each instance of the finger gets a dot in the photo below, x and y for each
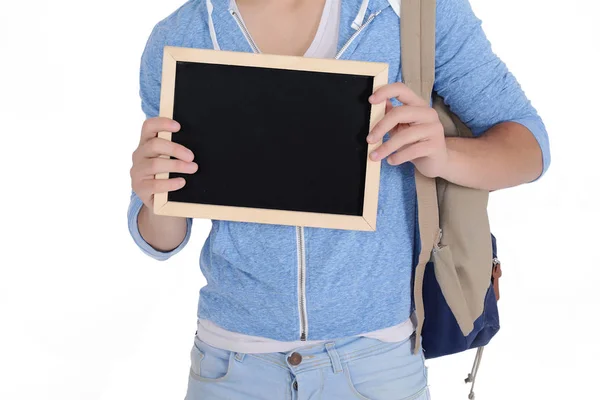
(400, 91)
(153, 186)
(160, 165)
(152, 126)
(406, 137)
(411, 153)
(388, 106)
(161, 147)
(400, 115)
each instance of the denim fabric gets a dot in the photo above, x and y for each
(353, 368)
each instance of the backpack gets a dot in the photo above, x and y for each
(455, 281)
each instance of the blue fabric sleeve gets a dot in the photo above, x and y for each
(474, 82)
(150, 78)
(151, 70)
(135, 205)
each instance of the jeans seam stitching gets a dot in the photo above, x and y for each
(268, 360)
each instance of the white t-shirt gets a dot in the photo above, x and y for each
(324, 45)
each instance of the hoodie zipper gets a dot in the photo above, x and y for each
(302, 282)
(355, 34)
(300, 242)
(245, 31)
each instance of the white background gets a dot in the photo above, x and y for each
(85, 315)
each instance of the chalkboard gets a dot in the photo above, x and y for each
(277, 139)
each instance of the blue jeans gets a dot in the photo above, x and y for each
(351, 368)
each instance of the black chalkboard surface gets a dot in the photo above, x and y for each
(277, 139)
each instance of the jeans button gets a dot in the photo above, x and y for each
(295, 359)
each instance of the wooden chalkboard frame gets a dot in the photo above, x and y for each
(366, 222)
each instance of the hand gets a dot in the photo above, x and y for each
(147, 161)
(416, 133)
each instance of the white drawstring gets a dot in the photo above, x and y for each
(360, 17)
(211, 26)
(395, 6)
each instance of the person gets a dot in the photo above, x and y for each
(307, 313)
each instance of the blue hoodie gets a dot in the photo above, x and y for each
(292, 283)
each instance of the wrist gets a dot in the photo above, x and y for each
(455, 161)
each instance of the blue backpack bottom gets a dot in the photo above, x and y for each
(441, 334)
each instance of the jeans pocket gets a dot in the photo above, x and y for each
(208, 363)
(396, 374)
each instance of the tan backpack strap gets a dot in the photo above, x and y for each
(417, 32)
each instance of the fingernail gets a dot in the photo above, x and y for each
(374, 156)
(191, 154)
(193, 167)
(175, 126)
(370, 138)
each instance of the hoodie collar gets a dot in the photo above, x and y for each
(227, 35)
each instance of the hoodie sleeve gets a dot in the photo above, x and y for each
(474, 82)
(150, 78)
